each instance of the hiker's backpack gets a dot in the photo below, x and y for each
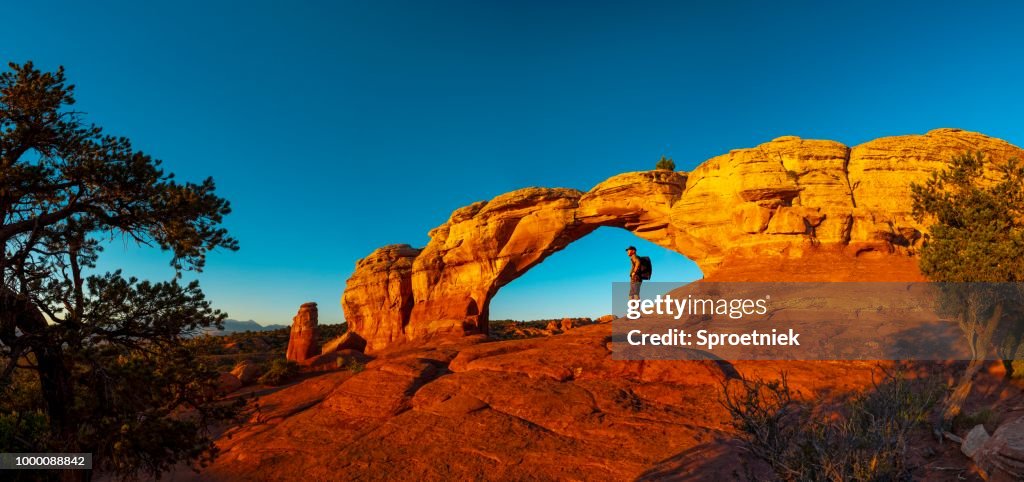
(645, 268)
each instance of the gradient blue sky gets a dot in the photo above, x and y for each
(337, 128)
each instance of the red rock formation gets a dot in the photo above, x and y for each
(746, 215)
(548, 408)
(246, 372)
(302, 342)
(227, 383)
(347, 341)
(378, 297)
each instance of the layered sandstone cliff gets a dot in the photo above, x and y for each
(790, 209)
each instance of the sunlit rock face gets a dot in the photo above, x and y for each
(790, 209)
(302, 342)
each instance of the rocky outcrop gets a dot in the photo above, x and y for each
(403, 293)
(246, 372)
(347, 341)
(844, 213)
(227, 383)
(378, 297)
(547, 408)
(1001, 456)
(302, 342)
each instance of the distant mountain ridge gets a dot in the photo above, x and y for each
(237, 326)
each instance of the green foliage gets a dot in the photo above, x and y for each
(665, 164)
(23, 431)
(23, 425)
(976, 236)
(132, 401)
(864, 439)
(351, 364)
(978, 230)
(103, 357)
(964, 422)
(281, 371)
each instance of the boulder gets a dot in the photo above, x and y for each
(1001, 456)
(227, 383)
(347, 341)
(302, 342)
(246, 372)
(974, 440)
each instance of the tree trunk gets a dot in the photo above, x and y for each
(980, 346)
(55, 380)
(955, 402)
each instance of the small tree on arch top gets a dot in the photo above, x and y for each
(665, 164)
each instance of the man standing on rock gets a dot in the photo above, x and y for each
(634, 274)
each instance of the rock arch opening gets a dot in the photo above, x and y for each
(400, 293)
(576, 281)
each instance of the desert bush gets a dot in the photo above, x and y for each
(24, 426)
(966, 421)
(351, 364)
(281, 371)
(665, 164)
(863, 439)
(23, 431)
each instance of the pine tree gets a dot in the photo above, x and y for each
(975, 249)
(112, 372)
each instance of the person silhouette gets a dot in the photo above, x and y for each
(634, 273)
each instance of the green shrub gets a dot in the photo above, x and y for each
(665, 164)
(351, 364)
(966, 421)
(281, 371)
(23, 431)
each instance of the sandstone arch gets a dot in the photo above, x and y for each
(788, 209)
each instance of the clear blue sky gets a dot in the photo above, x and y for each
(337, 128)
